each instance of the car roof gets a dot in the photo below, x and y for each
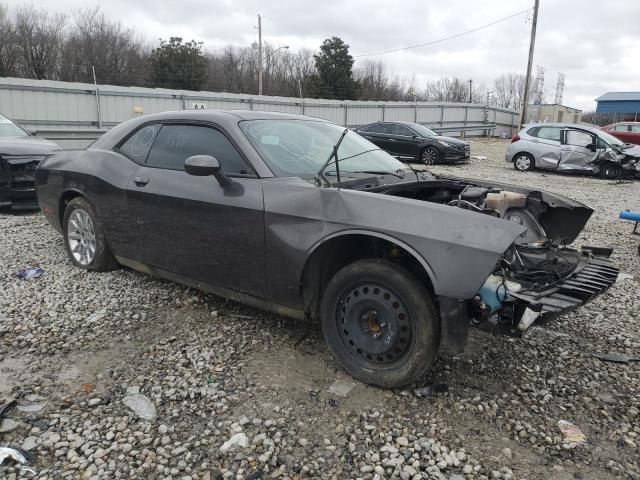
(576, 126)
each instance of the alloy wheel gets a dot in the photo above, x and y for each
(522, 163)
(429, 156)
(81, 236)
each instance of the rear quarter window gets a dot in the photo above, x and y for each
(137, 146)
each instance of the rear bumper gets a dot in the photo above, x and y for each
(17, 182)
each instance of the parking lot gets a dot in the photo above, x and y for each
(74, 344)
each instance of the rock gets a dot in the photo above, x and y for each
(141, 406)
(7, 425)
(341, 388)
(507, 453)
(163, 429)
(29, 443)
(238, 441)
(402, 442)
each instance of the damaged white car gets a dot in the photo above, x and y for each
(573, 148)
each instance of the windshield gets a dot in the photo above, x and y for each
(423, 131)
(10, 129)
(610, 139)
(301, 147)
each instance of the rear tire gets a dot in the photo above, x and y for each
(610, 171)
(380, 323)
(524, 162)
(84, 237)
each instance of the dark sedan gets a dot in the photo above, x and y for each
(307, 219)
(20, 153)
(409, 140)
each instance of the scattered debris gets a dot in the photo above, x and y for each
(341, 387)
(481, 158)
(616, 357)
(624, 276)
(5, 406)
(239, 440)
(431, 390)
(141, 405)
(88, 387)
(28, 273)
(32, 407)
(23, 458)
(571, 432)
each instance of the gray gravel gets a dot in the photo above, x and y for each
(125, 376)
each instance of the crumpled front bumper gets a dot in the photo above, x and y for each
(592, 277)
(17, 181)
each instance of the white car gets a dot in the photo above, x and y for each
(572, 148)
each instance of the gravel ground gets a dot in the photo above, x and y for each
(219, 390)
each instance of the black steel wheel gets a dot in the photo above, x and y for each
(380, 323)
(430, 155)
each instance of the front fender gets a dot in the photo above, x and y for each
(460, 248)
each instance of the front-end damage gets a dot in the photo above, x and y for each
(538, 276)
(17, 180)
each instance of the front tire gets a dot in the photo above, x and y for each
(611, 171)
(84, 237)
(380, 323)
(430, 155)
(523, 162)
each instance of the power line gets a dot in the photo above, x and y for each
(446, 38)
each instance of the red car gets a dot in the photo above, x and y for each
(628, 132)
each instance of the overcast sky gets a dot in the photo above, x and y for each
(594, 43)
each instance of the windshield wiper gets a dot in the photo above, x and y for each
(334, 154)
(377, 172)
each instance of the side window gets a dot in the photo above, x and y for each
(378, 128)
(533, 131)
(635, 128)
(578, 138)
(137, 146)
(621, 128)
(549, 133)
(397, 129)
(175, 143)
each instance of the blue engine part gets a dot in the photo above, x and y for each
(494, 291)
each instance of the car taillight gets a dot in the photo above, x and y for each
(515, 138)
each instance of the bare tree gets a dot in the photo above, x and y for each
(509, 90)
(40, 36)
(9, 49)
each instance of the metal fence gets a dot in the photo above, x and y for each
(75, 113)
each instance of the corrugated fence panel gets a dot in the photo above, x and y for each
(52, 104)
(359, 114)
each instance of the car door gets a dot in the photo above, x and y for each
(634, 135)
(578, 150)
(379, 135)
(192, 227)
(406, 144)
(545, 146)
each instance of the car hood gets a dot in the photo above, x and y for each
(26, 146)
(453, 141)
(632, 151)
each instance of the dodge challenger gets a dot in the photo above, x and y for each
(305, 218)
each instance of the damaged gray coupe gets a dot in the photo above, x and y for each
(573, 149)
(304, 218)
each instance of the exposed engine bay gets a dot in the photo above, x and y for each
(539, 275)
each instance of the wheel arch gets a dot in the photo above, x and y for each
(523, 152)
(335, 251)
(65, 198)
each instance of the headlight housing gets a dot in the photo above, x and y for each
(446, 144)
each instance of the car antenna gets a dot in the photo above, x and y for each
(334, 154)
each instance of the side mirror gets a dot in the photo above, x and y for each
(592, 147)
(205, 165)
(415, 137)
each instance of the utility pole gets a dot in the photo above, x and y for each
(470, 90)
(532, 42)
(260, 55)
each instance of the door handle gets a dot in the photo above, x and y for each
(392, 139)
(140, 182)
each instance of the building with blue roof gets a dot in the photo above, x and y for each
(624, 105)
